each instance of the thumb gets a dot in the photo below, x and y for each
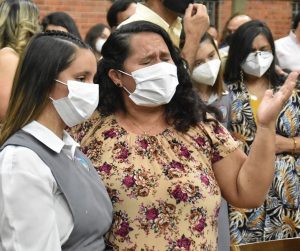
(268, 95)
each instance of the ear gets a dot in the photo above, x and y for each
(115, 76)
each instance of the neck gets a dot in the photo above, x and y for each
(142, 120)
(203, 90)
(253, 80)
(256, 86)
(52, 121)
(166, 14)
(144, 116)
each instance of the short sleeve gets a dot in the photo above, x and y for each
(222, 143)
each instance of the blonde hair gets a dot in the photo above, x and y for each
(19, 21)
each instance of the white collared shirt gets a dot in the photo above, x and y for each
(144, 13)
(288, 52)
(34, 215)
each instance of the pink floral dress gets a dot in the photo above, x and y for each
(163, 189)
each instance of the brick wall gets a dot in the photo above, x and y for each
(276, 13)
(86, 13)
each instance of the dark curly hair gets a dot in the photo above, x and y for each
(184, 110)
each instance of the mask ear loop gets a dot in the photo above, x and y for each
(125, 73)
(61, 82)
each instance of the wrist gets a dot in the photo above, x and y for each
(266, 128)
(294, 145)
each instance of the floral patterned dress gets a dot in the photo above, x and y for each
(279, 216)
(163, 189)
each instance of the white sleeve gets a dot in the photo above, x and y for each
(27, 216)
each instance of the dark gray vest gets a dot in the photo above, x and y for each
(83, 190)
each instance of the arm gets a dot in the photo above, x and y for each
(8, 64)
(284, 144)
(28, 220)
(195, 23)
(247, 179)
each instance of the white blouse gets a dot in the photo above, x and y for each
(34, 215)
(288, 52)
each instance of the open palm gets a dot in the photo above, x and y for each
(271, 104)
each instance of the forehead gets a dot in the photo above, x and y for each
(204, 49)
(144, 43)
(84, 61)
(260, 41)
(105, 32)
(237, 22)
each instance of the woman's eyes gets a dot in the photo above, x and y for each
(81, 79)
(147, 62)
(199, 63)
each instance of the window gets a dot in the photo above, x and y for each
(295, 8)
(212, 8)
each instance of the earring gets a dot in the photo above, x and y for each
(118, 84)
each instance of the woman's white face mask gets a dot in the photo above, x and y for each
(257, 63)
(155, 84)
(99, 44)
(207, 73)
(80, 103)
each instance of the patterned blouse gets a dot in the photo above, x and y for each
(279, 216)
(163, 189)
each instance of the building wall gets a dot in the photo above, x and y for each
(276, 13)
(86, 13)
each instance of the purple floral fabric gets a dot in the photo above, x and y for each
(163, 189)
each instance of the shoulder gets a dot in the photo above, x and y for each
(212, 128)
(23, 160)
(8, 52)
(8, 57)
(88, 128)
(281, 41)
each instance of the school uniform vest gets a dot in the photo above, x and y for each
(83, 190)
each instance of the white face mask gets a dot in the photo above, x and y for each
(207, 73)
(257, 63)
(99, 44)
(155, 84)
(80, 103)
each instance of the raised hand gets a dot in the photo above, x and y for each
(195, 23)
(196, 20)
(272, 104)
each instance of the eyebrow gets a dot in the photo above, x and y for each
(212, 51)
(262, 47)
(83, 73)
(151, 55)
